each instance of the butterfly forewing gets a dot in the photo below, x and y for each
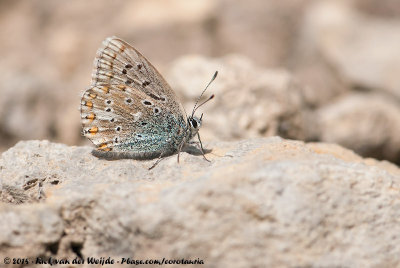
(117, 62)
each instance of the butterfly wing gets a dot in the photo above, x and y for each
(129, 108)
(117, 63)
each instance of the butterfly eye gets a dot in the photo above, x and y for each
(193, 123)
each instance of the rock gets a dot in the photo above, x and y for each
(25, 108)
(262, 30)
(360, 50)
(384, 9)
(261, 201)
(29, 230)
(366, 123)
(250, 101)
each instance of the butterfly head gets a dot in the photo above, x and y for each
(194, 124)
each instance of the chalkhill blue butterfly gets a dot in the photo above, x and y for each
(130, 111)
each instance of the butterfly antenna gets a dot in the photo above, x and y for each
(198, 99)
(210, 98)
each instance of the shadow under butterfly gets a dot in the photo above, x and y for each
(130, 111)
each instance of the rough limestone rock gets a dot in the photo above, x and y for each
(360, 49)
(366, 123)
(259, 203)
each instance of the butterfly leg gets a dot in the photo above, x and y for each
(157, 161)
(180, 149)
(201, 147)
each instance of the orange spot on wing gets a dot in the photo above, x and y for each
(92, 95)
(89, 104)
(122, 87)
(103, 147)
(106, 89)
(93, 130)
(91, 117)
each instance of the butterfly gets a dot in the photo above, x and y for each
(130, 111)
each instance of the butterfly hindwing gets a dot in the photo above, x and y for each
(120, 118)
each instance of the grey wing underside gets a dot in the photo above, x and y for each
(146, 142)
(119, 121)
(115, 155)
(126, 78)
(117, 62)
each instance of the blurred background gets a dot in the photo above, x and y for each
(309, 70)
